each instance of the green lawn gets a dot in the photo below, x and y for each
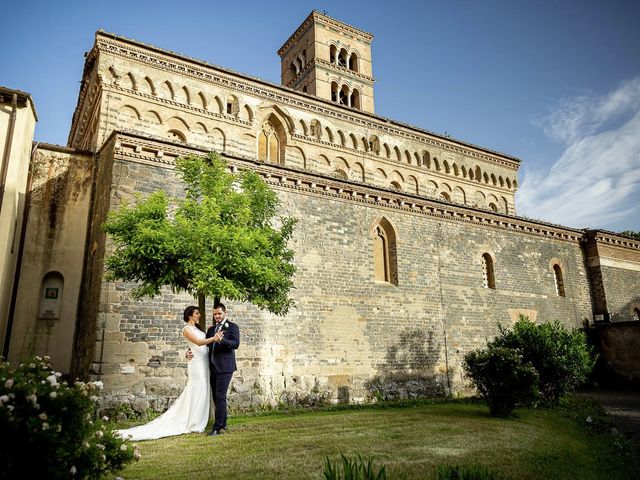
(411, 440)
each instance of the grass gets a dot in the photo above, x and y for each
(411, 439)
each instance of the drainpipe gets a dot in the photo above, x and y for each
(16, 276)
(7, 146)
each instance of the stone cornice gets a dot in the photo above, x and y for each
(330, 67)
(345, 71)
(322, 18)
(136, 148)
(612, 239)
(172, 62)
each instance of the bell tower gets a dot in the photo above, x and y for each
(331, 60)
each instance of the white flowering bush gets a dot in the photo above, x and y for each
(49, 428)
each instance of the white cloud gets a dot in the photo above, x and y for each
(596, 181)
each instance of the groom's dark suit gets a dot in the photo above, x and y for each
(222, 364)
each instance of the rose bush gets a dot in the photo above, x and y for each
(50, 429)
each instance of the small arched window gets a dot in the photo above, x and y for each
(334, 91)
(353, 62)
(384, 253)
(342, 58)
(636, 315)
(488, 277)
(559, 282)
(355, 99)
(333, 54)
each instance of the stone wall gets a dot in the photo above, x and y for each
(349, 337)
(620, 347)
(54, 244)
(614, 270)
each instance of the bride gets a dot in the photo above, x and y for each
(190, 412)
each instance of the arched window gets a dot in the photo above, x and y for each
(333, 54)
(269, 144)
(342, 58)
(374, 144)
(343, 95)
(557, 275)
(488, 277)
(355, 99)
(334, 91)
(353, 62)
(384, 253)
(636, 315)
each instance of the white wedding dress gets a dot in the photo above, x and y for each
(190, 412)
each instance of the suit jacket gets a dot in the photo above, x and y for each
(222, 356)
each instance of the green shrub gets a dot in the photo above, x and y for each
(462, 472)
(50, 428)
(356, 469)
(561, 356)
(502, 378)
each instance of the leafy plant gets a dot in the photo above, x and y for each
(464, 472)
(50, 428)
(220, 240)
(561, 356)
(353, 469)
(502, 378)
(631, 234)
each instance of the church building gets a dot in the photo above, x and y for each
(408, 246)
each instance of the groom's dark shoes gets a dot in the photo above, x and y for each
(215, 432)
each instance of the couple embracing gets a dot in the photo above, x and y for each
(212, 361)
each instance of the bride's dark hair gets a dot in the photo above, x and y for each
(188, 313)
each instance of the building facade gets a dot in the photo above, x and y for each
(408, 247)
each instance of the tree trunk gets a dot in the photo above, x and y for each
(202, 305)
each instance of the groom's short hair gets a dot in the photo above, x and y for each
(220, 305)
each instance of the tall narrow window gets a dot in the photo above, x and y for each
(557, 275)
(268, 144)
(333, 54)
(384, 253)
(233, 106)
(353, 62)
(488, 277)
(355, 99)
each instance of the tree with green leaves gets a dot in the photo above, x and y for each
(631, 234)
(221, 240)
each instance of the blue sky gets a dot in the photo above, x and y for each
(556, 84)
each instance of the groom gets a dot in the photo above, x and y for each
(222, 363)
